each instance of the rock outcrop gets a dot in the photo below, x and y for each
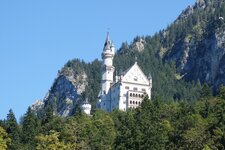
(66, 91)
(199, 53)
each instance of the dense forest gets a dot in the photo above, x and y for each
(154, 125)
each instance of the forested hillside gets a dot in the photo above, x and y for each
(154, 125)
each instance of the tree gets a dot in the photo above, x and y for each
(102, 125)
(222, 92)
(206, 91)
(127, 136)
(13, 130)
(29, 128)
(51, 142)
(154, 129)
(5, 141)
(77, 131)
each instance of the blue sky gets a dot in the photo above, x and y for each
(38, 37)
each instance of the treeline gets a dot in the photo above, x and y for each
(153, 125)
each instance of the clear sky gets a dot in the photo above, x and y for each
(38, 37)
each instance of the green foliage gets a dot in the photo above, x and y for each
(206, 91)
(5, 141)
(222, 92)
(76, 132)
(51, 142)
(104, 131)
(13, 130)
(29, 128)
(156, 124)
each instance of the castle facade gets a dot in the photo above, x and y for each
(125, 90)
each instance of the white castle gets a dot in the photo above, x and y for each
(127, 90)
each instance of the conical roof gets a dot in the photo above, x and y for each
(107, 43)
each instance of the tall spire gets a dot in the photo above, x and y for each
(107, 43)
(107, 37)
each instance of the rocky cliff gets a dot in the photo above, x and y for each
(74, 82)
(199, 52)
(65, 92)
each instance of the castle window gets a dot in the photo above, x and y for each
(135, 89)
(130, 102)
(139, 103)
(133, 102)
(136, 102)
(130, 94)
(133, 95)
(127, 87)
(136, 95)
(135, 78)
(139, 95)
(143, 90)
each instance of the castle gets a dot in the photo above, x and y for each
(129, 87)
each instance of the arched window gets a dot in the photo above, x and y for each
(130, 102)
(133, 102)
(136, 102)
(136, 95)
(133, 95)
(139, 95)
(139, 103)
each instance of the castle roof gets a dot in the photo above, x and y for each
(135, 70)
(107, 44)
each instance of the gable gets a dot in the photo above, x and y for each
(135, 75)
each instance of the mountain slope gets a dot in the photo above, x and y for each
(198, 48)
(190, 50)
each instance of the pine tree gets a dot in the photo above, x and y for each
(206, 91)
(29, 128)
(222, 92)
(13, 130)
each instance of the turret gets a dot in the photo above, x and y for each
(113, 48)
(86, 107)
(108, 52)
(107, 67)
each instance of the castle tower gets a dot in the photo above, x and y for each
(107, 74)
(107, 67)
(86, 107)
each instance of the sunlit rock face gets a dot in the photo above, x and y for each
(65, 92)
